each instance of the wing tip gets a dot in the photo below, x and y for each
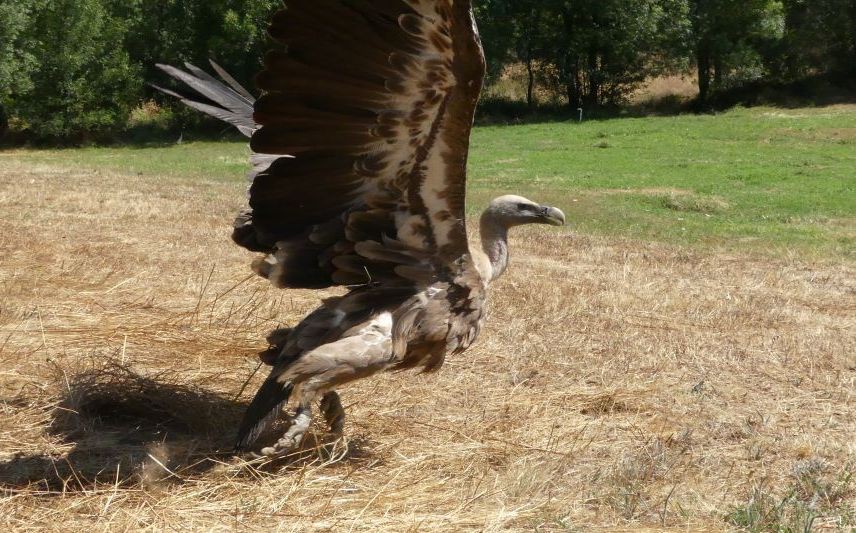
(262, 411)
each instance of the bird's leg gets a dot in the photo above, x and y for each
(334, 413)
(292, 438)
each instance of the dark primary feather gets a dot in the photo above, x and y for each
(233, 83)
(262, 411)
(234, 104)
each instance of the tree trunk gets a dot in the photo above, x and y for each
(573, 83)
(530, 88)
(572, 95)
(852, 38)
(717, 72)
(4, 122)
(574, 90)
(703, 62)
(592, 98)
(795, 14)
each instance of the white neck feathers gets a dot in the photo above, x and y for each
(494, 237)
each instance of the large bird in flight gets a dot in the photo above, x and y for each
(360, 143)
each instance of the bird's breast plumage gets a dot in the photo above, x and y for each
(444, 318)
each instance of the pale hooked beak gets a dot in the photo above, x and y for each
(552, 215)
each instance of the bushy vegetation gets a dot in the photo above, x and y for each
(79, 82)
(595, 52)
(74, 70)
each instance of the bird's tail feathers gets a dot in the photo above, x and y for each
(263, 411)
(233, 103)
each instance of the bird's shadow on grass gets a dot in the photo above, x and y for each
(128, 429)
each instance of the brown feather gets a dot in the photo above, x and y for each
(355, 72)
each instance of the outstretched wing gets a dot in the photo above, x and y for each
(370, 107)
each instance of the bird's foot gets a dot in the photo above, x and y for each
(293, 437)
(334, 413)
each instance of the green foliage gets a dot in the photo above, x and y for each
(73, 70)
(607, 47)
(726, 38)
(82, 82)
(232, 32)
(16, 60)
(593, 51)
(820, 36)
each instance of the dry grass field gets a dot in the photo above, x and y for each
(619, 385)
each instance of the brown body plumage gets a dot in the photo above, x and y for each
(361, 140)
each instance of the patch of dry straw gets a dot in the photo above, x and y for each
(618, 385)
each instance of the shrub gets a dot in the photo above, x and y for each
(84, 84)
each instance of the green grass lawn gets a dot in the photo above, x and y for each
(750, 179)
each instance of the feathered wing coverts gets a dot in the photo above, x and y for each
(370, 106)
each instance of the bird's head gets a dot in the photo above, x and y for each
(511, 210)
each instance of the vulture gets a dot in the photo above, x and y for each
(359, 156)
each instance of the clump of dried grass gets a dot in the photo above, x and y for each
(635, 475)
(115, 395)
(680, 87)
(117, 425)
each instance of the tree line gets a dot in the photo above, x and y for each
(74, 69)
(597, 51)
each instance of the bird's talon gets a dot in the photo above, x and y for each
(334, 413)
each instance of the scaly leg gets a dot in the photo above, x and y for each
(292, 438)
(320, 370)
(334, 413)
